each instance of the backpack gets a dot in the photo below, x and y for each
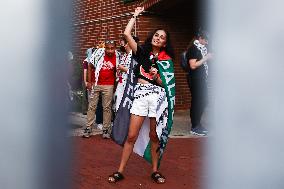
(184, 61)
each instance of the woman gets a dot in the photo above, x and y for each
(155, 86)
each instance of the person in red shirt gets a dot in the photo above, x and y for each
(85, 101)
(104, 61)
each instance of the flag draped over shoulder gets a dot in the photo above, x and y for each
(122, 118)
(165, 110)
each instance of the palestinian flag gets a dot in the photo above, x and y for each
(165, 110)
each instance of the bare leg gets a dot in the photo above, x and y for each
(154, 147)
(154, 144)
(134, 128)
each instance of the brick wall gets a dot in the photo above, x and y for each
(96, 20)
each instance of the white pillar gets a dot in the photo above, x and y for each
(246, 148)
(33, 144)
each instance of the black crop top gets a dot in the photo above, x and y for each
(145, 61)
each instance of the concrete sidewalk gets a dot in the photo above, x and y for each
(181, 127)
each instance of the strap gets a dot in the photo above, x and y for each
(117, 176)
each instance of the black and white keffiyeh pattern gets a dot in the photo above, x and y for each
(203, 51)
(97, 60)
(125, 60)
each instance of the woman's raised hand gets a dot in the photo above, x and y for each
(138, 10)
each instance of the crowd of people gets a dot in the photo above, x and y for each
(134, 88)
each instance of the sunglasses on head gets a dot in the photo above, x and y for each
(109, 42)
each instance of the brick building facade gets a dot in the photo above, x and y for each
(96, 20)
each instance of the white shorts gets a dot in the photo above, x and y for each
(145, 101)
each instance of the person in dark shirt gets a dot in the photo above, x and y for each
(198, 57)
(151, 85)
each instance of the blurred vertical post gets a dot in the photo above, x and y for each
(34, 147)
(246, 147)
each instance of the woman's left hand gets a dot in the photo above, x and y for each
(153, 71)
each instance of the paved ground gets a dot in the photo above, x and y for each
(96, 158)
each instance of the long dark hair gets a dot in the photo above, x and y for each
(168, 48)
(201, 33)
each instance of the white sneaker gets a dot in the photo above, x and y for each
(100, 126)
(106, 135)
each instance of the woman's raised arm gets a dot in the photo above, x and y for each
(128, 29)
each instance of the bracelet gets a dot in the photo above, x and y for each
(134, 16)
